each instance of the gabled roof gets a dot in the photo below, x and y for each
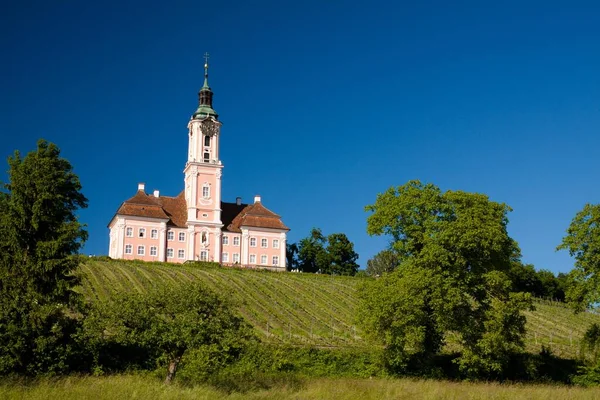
(174, 209)
(255, 215)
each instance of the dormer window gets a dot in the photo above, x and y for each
(207, 141)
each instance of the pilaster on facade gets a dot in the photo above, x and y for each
(120, 237)
(162, 242)
(191, 244)
(245, 246)
(283, 246)
(218, 238)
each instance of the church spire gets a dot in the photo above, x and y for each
(205, 96)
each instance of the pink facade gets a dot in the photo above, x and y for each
(197, 224)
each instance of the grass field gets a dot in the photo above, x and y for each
(146, 387)
(305, 308)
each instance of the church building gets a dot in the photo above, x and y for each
(196, 224)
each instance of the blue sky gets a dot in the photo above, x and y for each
(324, 104)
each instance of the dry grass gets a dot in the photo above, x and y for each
(143, 387)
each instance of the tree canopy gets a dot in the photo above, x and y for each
(164, 324)
(454, 252)
(39, 236)
(382, 262)
(583, 243)
(333, 254)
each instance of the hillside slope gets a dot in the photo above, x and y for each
(305, 308)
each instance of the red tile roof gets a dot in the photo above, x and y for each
(164, 207)
(233, 216)
(254, 215)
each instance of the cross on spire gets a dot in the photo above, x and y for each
(206, 57)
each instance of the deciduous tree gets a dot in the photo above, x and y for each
(454, 252)
(164, 324)
(583, 242)
(383, 262)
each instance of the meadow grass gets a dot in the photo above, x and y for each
(148, 387)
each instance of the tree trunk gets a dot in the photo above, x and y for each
(172, 369)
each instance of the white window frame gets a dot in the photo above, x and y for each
(142, 233)
(225, 240)
(264, 259)
(206, 192)
(275, 243)
(225, 257)
(252, 259)
(275, 260)
(153, 251)
(204, 255)
(181, 254)
(154, 234)
(129, 231)
(143, 250)
(170, 235)
(130, 248)
(264, 243)
(180, 235)
(235, 258)
(170, 253)
(236, 240)
(252, 242)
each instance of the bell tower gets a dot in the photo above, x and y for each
(203, 172)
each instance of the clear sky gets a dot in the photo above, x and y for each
(325, 104)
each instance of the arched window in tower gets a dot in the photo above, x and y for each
(207, 140)
(206, 157)
(206, 191)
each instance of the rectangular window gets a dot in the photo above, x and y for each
(182, 236)
(252, 258)
(154, 233)
(153, 251)
(236, 240)
(142, 233)
(263, 259)
(170, 253)
(225, 239)
(170, 235)
(141, 250)
(264, 243)
(236, 257)
(204, 255)
(129, 232)
(128, 249)
(275, 260)
(252, 242)
(275, 243)
(225, 257)
(205, 192)
(181, 253)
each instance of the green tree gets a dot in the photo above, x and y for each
(291, 255)
(165, 324)
(583, 242)
(39, 237)
(454, 255)
(312, 256)
(341, 257)
(383, 262)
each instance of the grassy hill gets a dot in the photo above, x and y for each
(305, 308)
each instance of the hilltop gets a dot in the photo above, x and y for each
(305, 309)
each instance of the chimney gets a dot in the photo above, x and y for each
(238, 201)
(257, 199)
(141, 186)
(156, 193)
